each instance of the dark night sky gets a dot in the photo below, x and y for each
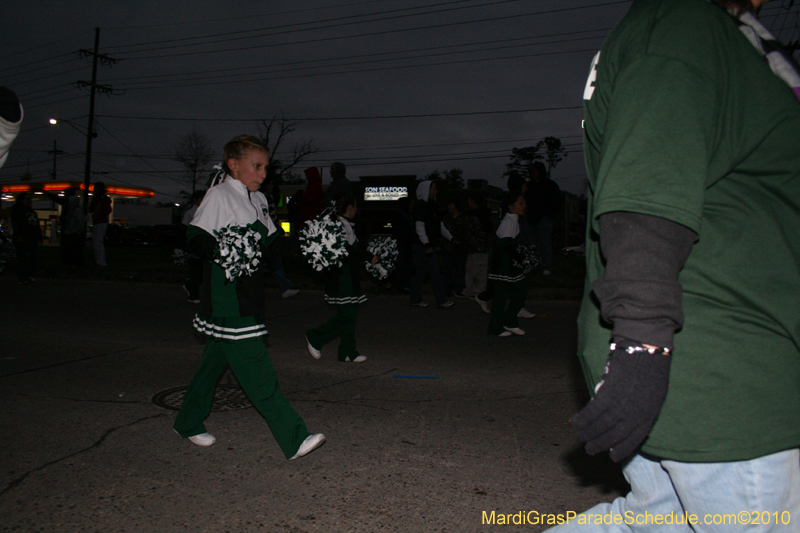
(385, 86)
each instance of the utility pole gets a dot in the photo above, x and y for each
(93, 88)
(55, 151)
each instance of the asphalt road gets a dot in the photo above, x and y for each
(442, 426)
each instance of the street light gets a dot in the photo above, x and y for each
(88, 167)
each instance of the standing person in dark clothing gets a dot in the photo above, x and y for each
(312, 199)
(340, 184)
(544, 202)
(273, 257)
(405, 234)
(73, 227)
(455, 252)
(480, 229)
(100, 208)
(428, 229)
(26, 237)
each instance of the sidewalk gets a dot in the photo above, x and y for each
(441, 423)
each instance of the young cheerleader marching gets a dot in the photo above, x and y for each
(343, 290)
(507, 275)
(230, 230)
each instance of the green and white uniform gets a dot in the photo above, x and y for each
(342, 289)
(230, 316)
(718, 154)
(508, 280)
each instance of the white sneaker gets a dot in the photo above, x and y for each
(505, 334)
(311, 443)
(446, 304)
(316, 354)
(203, 439)
(515, 331)
(524, 313)
(359, 359)
(484, 305)
(420, 304)
(288, 293)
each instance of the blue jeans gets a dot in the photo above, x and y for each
(764, 490)
(427, 265)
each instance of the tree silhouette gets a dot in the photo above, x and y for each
(274, 132)
(453, 178)
(554, 152)
(549, 150)
(194, 152)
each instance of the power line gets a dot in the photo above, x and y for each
(228, 71)
(371, 34)
(369, 117)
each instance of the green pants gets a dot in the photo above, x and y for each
(341, 325)
(515, 293)
(251, 365)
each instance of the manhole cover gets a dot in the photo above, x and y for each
(226, 398)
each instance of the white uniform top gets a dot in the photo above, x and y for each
(231, 204)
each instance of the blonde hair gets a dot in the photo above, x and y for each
(240, 145)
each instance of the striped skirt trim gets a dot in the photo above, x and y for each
(229, 332)
(507, 279)
(342, 300)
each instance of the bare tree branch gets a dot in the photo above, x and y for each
(194, 152)
(275, 132)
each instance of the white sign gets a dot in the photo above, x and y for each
(385, 193)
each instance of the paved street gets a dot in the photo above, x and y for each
(440, 425)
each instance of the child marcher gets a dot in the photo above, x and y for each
(230, 230)
(507, 276)
(342, 289)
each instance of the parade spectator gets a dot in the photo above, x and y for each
(100, 208)
(454, 256)
(312, 199)
(403, 230)
(26, 236)
(273, 257)
(478, 244)
(544, 203)
(339, 185)
(428, 229)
